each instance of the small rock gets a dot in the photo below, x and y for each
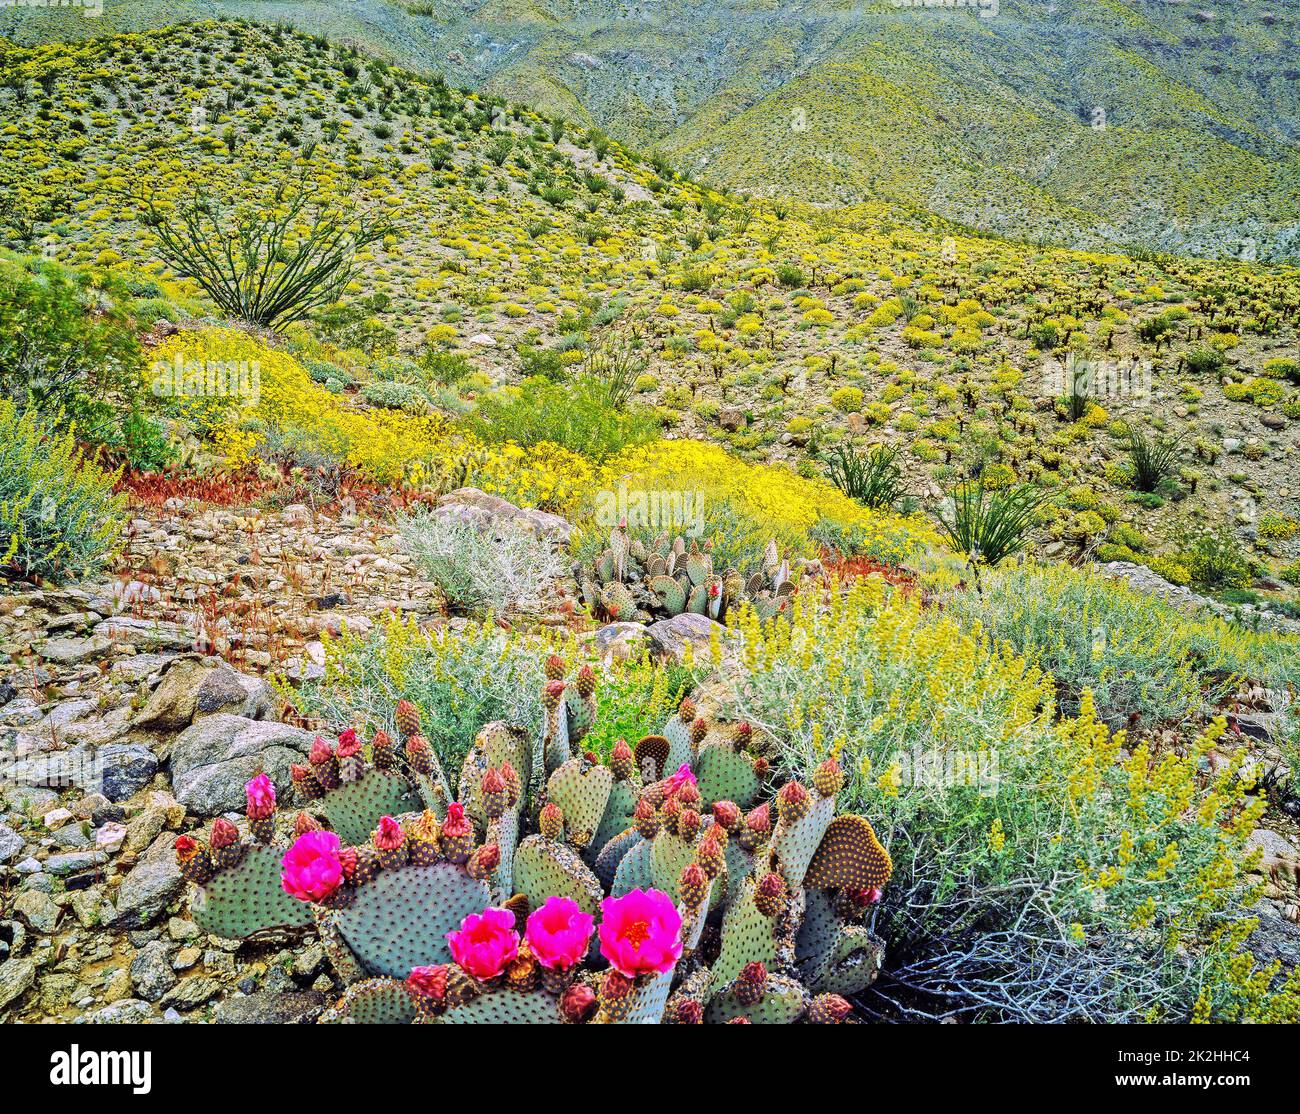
(17, 976)
(151, 972)
(293, 1008)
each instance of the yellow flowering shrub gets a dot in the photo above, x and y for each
(1021, 839)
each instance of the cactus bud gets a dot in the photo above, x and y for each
(302, 824)
(553, 668)
(828, 1009)
(550, 821)
(578, 1003)
(726, 814)
(484, 861)
(390, 841)
(193, 859)
(419, 755)
(689, 1011)
(224, 833)
(828, 778)
(586, 682)
(686, 710)
(699, 729)
(513, 787)
(384, 752)
(710, 856)
(408, 719)
(494, 794)
(348, 861)
(621, 761)
(645, 818)
(740, 1021)
(552, 694)
(457, 835)
(792, 803)
(743, 732)
(751, 984)
(769, 895)
(688, 824)
(762, 766)
(692, 885)
(349, 744)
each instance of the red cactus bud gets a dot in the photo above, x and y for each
(511, 780)
(586, 682)
(456, 826)
(224, 833)
(389, 835)
(382, 741)
(686, 710)
(759, 819)
(552, 694)
(828, 1009)
(692, 885)
(615, 986)
(551, 821)
(484, 861)
(828, 778)
(645, 818)
(751, 984)
(348, 860)
(761, 766)
(493, 782)
(688, 824)
(793, 802)
(553, 667)
(770, 894)
(349, 744)
(621, 760)
(186, 848)
(690, 1011)
(687, 794)
(754, 972)
(321, 751)
(298, 774)
(578, 1003)
(744, 731)
(428, 982)
(699, 729)
(302, 824)
(726, 814)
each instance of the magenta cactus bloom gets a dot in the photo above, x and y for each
(683, 776)
(261, 798)
(558, 933)
(312, 868)
(485, 943)
(640, 931)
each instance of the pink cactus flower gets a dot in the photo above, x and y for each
(683, 776)
(641, 931)
(558, 933)
(456, 825)
(312, 868)
(261, 798)
(486, 943)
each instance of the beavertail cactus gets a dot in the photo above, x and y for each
(664, 884)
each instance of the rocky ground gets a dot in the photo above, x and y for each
(136, 707)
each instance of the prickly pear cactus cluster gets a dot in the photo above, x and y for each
(671, 883)
(630, 581)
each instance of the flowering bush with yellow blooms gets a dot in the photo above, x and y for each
(1045, 868)
(745, 505)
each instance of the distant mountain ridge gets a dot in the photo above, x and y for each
(1104, 124)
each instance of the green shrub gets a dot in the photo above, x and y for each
(872, 478)
(58, 514)
(576, 416)
(63, 351)
(1153, 459)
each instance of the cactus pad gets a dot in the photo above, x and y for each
(372, 1002)
(653, 748)
(783, 1003)
(546, 868)
(618, 813)
(400, 919)
(247, 898)
(849, 857)
(668, 856)
(354, 808)
(747, 937)
(635, 870)
(854, 964)
(726, 774)
(612, 855)
(581, 790)
(795, 844)
(505, 1007)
